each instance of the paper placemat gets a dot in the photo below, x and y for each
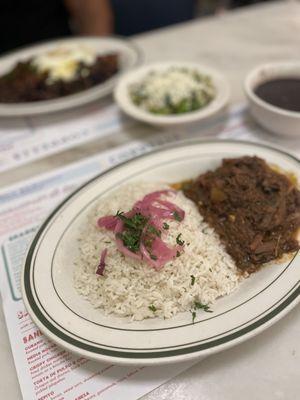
(30, 138)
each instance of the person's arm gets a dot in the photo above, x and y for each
(91, 17)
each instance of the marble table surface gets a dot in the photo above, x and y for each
(267, 366)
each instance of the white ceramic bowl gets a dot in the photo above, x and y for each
(125, 103)
(274, 119)
(129, 57)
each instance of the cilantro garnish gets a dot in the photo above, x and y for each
(136, 222)
(131, 240)
(152, 308)
(197, 306)
(205, 307)
(166, 226)
(133, 229)
(176, 216)
(179, 241)
(192, 280)
(152, 230)
(193, 316)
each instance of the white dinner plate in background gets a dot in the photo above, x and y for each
(129, 56)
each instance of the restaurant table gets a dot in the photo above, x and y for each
(266, 366)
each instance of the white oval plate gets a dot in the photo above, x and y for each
(124, 101)
(130, 56)
(71, 322)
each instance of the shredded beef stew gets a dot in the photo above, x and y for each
(254, 209)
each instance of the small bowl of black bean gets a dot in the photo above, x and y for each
(273, 92)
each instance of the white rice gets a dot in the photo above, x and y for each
(129, 287)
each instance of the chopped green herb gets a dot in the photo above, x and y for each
(205, 307)
(178, 253)
(176, 216)
(153, 230)
(131, 240)
(210, 269)
(137, 221)
(107, 241)
(133, 229)
(166, 226)
(198, 305)
(152, 308)
(153, 256)
(193, 316)
(179, 241)
(193, 280)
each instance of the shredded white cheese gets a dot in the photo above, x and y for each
(171, 87)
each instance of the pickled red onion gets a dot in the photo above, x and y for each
(156, 210)
(109, 222)
(101, 266)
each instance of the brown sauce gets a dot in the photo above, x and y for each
(254, 209)
(283, 93)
